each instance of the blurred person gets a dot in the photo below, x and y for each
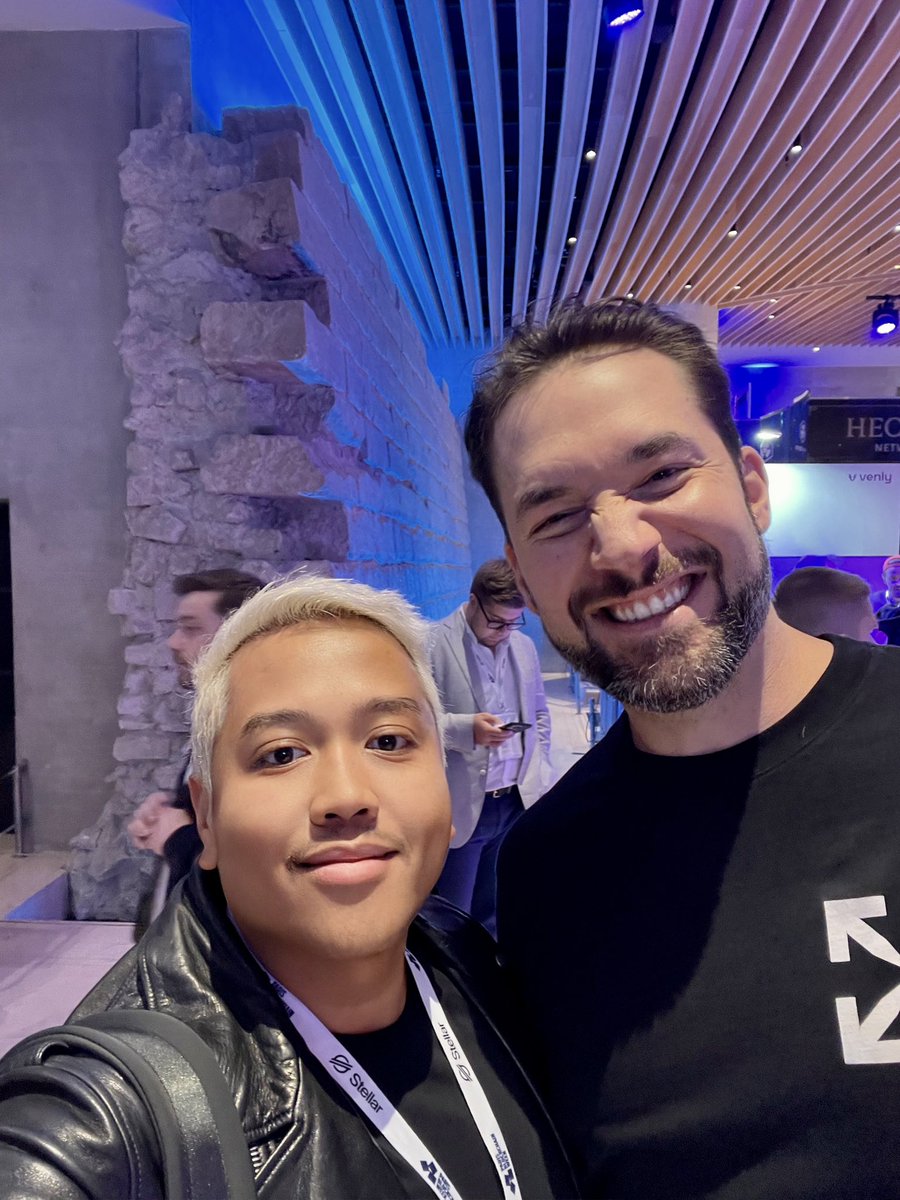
(677, 912)
(821, 600)
(360, 1041)
(496, 731)
(164, 821)
(888, 615)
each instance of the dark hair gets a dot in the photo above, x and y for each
(235, 586)
(805, 598)
(494, 581)
(574, 328)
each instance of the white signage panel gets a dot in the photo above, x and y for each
(834, 508)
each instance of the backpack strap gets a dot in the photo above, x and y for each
(203, 1150)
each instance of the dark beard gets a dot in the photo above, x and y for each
(676, 673)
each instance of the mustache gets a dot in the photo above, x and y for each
(616, 585)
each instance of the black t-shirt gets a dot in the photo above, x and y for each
(406, 1062)
(679, 930)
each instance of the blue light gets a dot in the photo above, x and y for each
(759, 366)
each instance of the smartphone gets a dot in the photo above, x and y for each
(516, 726)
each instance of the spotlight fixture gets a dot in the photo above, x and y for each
(619, 13)
(590, 155)
(732, 232)
(768, 435)
(771, 316)
(688, 285)
(816, 349)
(796, 148)
(629, 295)
(736, 288)
(571, 241)
(884, 318)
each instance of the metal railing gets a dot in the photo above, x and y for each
(18, 773)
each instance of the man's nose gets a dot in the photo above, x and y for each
(342, 793)
(623, 537)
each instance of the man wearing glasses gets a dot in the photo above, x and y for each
(496, 731)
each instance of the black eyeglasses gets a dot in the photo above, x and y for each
(493, 623)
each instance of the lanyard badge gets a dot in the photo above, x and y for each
(372, 1102)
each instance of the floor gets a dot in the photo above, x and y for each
(47, 966)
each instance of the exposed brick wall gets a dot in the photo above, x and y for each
(283, 414)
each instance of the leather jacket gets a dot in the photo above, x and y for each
(72, 1129)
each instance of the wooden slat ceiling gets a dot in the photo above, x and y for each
(462, 128)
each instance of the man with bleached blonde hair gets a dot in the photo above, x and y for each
(358, 1039)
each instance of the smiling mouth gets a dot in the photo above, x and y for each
(661, 601)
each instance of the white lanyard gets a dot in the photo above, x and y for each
(357, 1084)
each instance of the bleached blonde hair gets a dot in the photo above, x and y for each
(296, 600)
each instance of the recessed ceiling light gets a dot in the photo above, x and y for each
(771, 316)
(629, 295)
(732, 232)
(897, 229)
(590, 155)
(736, 288)
(796, 149)
(688, 284)
(571, 241)
(772, 300)
(816, 349)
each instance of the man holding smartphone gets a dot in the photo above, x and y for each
(496, 731)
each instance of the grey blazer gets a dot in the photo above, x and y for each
(466, 762)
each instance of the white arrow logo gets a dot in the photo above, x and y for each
(862, 1041)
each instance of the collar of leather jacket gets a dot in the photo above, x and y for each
(192, 963)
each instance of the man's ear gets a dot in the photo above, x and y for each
(520, 579)
(756, 487)
(202, 802)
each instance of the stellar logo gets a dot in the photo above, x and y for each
(464, 1072)
(341, 1064)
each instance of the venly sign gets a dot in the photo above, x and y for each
(834, 508)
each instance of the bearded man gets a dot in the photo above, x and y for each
(678, 910)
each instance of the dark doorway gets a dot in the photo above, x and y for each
(7, 694)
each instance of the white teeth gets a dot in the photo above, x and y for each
(659, 602)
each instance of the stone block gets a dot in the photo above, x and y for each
(240, 124)
(241, 540)
(255, 339)
(278, 156)
(257, 228)
(313, 529)
(156, 485)
(155, 523)
(155, 352)
(258, 465)
(131, 747)
(148, 233)
(121, 601)
(148, 654)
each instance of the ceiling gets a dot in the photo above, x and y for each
(462, 126)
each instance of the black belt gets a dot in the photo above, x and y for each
(498, 792)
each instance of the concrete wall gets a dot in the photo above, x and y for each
(67, 104)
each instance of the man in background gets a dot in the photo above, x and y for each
(821, 600)
(164, 821)
(888, 615)
(496, 731)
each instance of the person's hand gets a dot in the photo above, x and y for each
(488, 730)
(154, 821)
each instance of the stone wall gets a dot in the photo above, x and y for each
(282, 411)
